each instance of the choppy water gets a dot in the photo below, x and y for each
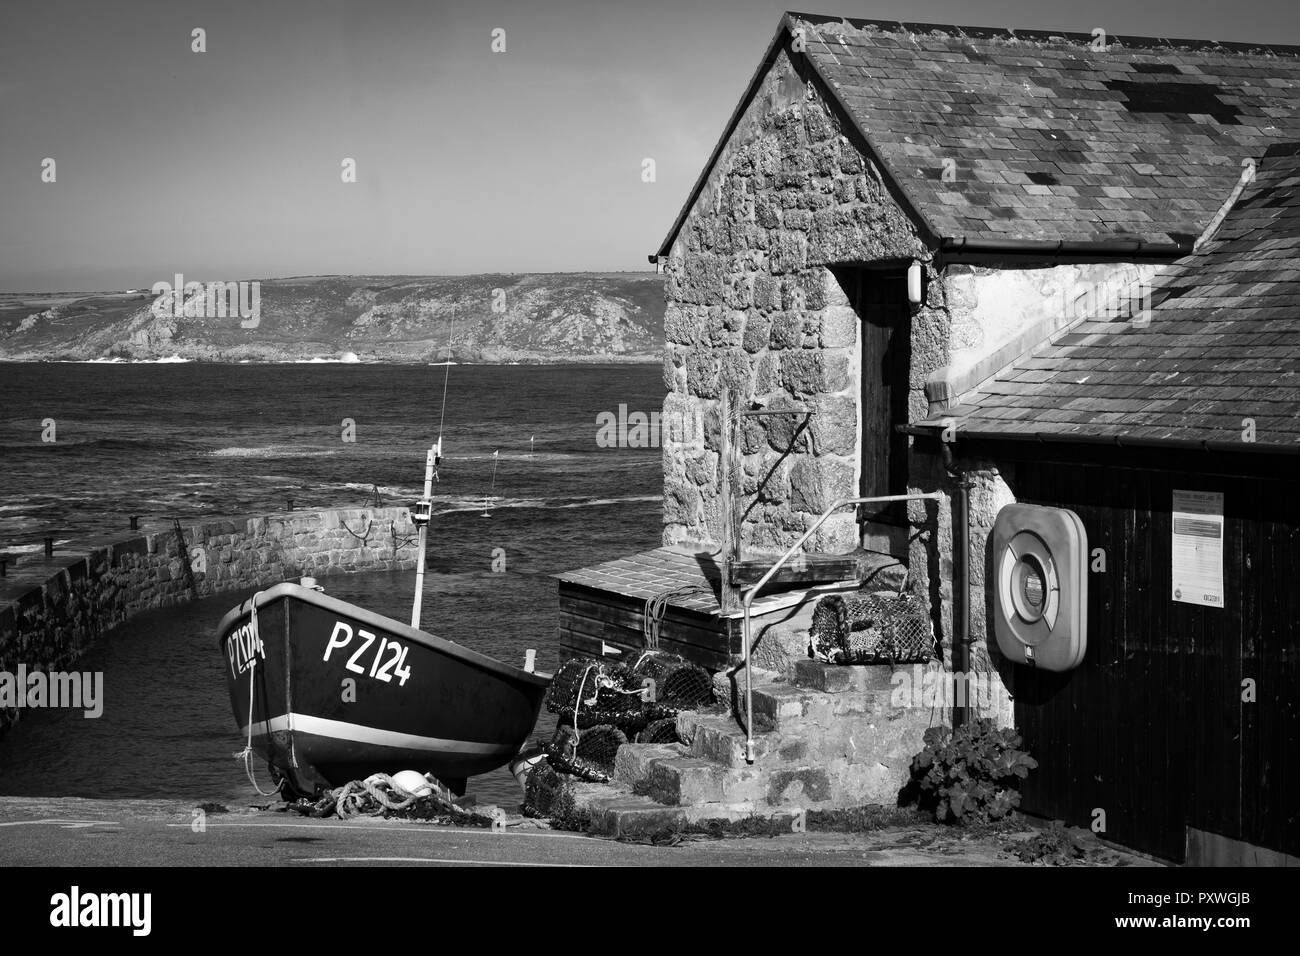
(189, 440)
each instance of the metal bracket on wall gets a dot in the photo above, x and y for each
(729, 486)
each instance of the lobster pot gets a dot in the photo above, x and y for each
(587, 694)
(577, 675)
(599, 745)
(879, 628)
(679, 684)
(661, 731)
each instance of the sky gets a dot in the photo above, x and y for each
(228, 164)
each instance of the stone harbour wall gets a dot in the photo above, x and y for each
(51, 611)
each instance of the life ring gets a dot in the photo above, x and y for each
(1041, 586)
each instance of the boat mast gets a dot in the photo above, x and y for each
(420, 515)
(423, 510)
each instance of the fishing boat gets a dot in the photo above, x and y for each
(328, 692)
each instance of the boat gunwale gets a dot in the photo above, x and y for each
(289, 589)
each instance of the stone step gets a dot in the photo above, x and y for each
(804, 773)
(684, 781)
(820, 691)
(832, 738)
(718, 737)
(632, 762)
(778, 707)
(767, 784)
(709, 812)
(629, 817)
(847, 678)
(615, 811)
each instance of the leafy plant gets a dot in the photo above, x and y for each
(969, 776)
(1055, 846)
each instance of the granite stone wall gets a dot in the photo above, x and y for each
(753, 306)
(71, 601)
(930, 564)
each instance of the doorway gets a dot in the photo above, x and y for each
(879, 297)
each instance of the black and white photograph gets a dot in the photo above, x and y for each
(657, 436)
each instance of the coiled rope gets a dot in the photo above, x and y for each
(349, 798)
(378, 793)
(655, 608)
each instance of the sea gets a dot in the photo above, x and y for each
(523, 481)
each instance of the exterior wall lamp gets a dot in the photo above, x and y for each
(914, 281)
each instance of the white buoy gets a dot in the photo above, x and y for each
(412, 783)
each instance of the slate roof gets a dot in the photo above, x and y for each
(1047, 138)
(1222, 344)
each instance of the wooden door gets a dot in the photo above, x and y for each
(879, 297)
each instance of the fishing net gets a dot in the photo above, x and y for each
(662, 731)
(879, 628)
(588, 693)
(686, 687)
(601, 704)
(598, 745)
(678, 683)
(562, 755)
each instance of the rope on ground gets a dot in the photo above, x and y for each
(350, 799)
(378, 795)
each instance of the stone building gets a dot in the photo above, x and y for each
(933, 243)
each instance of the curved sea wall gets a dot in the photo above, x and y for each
(52, 610)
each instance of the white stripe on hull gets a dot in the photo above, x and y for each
(341, 730)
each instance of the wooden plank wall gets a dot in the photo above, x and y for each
(589, 616)
(1152, 728)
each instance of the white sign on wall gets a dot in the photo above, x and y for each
(1198, 547)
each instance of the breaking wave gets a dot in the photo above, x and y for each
(273, 451)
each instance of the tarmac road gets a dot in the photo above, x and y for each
(80, 832)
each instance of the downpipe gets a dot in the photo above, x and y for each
(960, 587)
(748, 600)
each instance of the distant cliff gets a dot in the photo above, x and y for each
(600, 317)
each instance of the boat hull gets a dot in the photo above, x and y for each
(337, 692)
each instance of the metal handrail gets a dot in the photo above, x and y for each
(752, 593)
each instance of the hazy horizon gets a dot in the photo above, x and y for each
(206, 280)
(226, 164)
